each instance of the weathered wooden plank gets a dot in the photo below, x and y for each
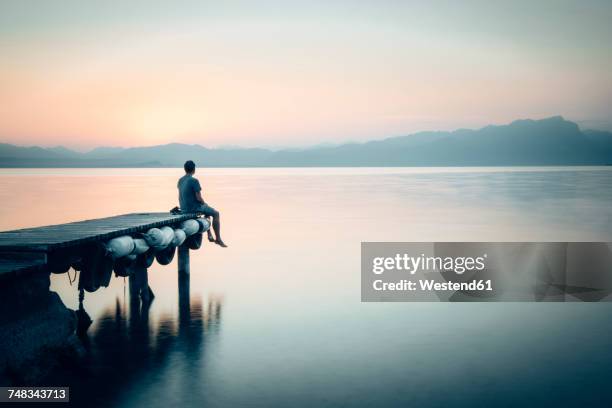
(21, 261)
(52, 237)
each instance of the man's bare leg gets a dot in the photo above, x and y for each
(217, 228)
(209, 232)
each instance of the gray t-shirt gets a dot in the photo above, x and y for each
(188, 186)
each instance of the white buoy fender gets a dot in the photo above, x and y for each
(190, 227)
(168, 235)
(140, 246)
(120, 246)
(179, 237)
(154, 238)
(204, 224)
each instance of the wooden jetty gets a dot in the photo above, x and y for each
(34, 320)
(27, 249)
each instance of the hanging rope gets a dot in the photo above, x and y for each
(70, 280)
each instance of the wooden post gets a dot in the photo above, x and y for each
(184, 278)
(183, 260)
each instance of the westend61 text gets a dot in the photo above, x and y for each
(429, 285)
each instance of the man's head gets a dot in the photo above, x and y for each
(189, 167)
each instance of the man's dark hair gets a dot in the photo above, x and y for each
(189, 166)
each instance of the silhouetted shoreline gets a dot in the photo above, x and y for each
(547, 142)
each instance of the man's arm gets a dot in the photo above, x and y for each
(198, 195)
(197, 190)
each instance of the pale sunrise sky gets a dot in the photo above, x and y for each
(129, 73)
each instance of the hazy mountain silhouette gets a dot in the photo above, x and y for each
(552, 141)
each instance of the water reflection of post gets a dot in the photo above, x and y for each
(83, 319)
(183, 285)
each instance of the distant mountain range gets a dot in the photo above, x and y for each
(552, 141)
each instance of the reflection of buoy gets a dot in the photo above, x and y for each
(120, 246)
(123, 266)
(96, 268)
(190, 227)
(86, 280)
(179, 237)
(105, 272)
(145, 260)
(204, 224)
(140, 246)
(165, 256)
(194, 241)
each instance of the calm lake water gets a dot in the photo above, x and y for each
(276, 318)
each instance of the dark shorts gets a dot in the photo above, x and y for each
(207, 210)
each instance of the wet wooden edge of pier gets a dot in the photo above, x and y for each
(26, 249)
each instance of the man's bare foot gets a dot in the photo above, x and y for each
(220, 243)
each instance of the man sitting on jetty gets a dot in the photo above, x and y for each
(190, 200)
